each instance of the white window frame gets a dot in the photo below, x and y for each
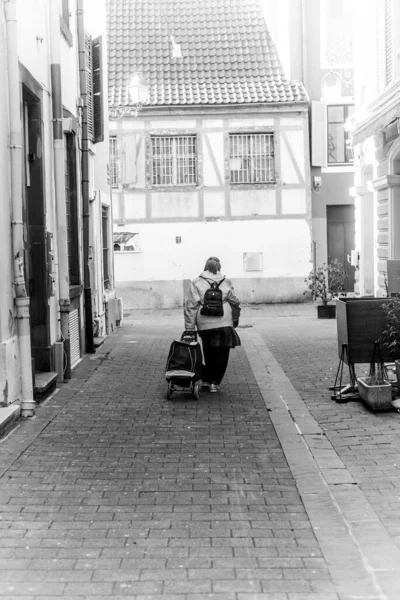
(244, 152)
(332, 104)
(113, 161)
(170, 169)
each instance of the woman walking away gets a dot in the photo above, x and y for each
(209, 307)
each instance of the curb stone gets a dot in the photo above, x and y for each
(8, 416)
(362, 558)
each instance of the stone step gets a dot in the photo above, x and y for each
(8, 416)
(45, 384)
(98, 341)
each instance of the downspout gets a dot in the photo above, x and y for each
(85, 181)
(58, 153)
(22, 300)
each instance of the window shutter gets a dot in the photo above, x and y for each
(388, 42)
(89, 84)
(128, 159)
(318, 134)
(97, 73)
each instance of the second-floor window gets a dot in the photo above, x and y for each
(339, 144)
(251, 158)
(174, 160)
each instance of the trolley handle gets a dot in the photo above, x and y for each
(189, 335)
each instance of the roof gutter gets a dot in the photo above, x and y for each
(298, 106)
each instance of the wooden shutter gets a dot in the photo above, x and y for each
(128, 159)
(97, 73)
(89, 83)
(318, 134)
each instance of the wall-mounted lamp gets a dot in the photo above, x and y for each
(138, 92)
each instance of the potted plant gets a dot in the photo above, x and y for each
(390, 338)
(326, 283)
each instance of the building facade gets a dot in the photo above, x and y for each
(315, 40)
(376, 142)
(56, 274)
(212, 158)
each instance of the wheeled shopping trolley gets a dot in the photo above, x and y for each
(184, 366)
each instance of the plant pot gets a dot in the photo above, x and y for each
(376, 397)
(326, 311)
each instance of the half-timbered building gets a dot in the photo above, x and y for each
(208, 152)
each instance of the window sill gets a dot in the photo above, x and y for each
(243, 186)
(339, 169)
(75, 291)
(128, 251)
(177, 188)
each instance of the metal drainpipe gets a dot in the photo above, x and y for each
(58, 152)
(85, 182)
(21, 294)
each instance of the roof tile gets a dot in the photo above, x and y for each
(228, 56)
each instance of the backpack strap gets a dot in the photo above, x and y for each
(213, 284)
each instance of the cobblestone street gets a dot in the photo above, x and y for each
(268, 489)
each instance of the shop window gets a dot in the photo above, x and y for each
(251, 158)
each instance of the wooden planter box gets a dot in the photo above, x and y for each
(326, 311)
(360, 322)
(377, 397)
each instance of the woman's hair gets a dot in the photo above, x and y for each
(213, 265)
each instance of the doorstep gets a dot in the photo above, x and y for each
(8, 416)
(45, 384)
(98, 341)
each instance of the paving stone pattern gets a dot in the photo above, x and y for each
(114, 492)
(367, 442)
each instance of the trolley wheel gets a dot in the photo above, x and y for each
(170, 389)
(196, 390)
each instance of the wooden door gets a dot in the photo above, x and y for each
(341, 238)
(35, 230)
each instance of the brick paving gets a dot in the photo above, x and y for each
(111, 491)
(367, 442)
(114, 492)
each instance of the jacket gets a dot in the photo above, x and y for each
(195, 299)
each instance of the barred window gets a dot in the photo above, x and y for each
(174, 160)
(339, 143)
(251, 158)
(113, 162)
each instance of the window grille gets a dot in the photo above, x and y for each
(113, 162)
(104, 224)
(174, 160)
(251, 158)
(339, 143)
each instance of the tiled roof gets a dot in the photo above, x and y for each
(228, 56)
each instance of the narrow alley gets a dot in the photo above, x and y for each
(268, 489)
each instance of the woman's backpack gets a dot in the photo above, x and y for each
(213, 300)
